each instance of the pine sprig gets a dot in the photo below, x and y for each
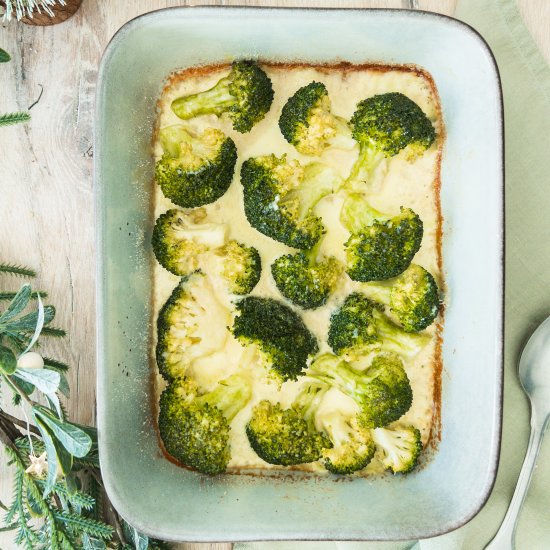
(14, 118)
(14, 269)
(54, 332)
(85, 525)
(11, 295)
(56, 365)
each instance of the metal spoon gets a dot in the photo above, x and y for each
(534, 375)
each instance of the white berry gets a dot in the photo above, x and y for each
(30, 360)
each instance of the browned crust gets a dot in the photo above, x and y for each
(344, 67)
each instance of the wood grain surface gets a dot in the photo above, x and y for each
(46, 191)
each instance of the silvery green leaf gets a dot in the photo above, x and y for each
(18, 304)
(90, 543)
(64, 387)
(8, 362)
(139, 540)
(76, 441)
(46, 381)
(39, 324)
(28, 322)
(53, 400)
(51, 456)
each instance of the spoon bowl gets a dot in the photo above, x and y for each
(534, 375)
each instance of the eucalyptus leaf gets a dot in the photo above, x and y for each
(90, 543)
(64, 387)
(55, 405)
(51, 455)
(40, 320)
(138, 540)
(70, 482)
(4, 56)
(25, 387)
(28, 322)
(46, 381)
(18, 304)
(8, 362)
(76, 441)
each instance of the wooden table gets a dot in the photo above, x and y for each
(47, 207)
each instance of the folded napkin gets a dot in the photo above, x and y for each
(526, 85)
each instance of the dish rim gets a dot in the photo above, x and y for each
(100, 263)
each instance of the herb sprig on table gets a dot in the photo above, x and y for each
(11, 118)
(58, 497)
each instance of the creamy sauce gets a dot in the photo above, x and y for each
(397, 183)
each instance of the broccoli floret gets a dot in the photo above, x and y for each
(241, 267)
(383, 391)
(179, 240)
(413, 297)
(280, 335)
(307, 123)
(245, 94)
(280, 196)
(380, 247)
(352, 445)
(399, 447)
(383, 125)
(304, 280)
(195, 169)
(360, 327)
(195, 427)
(191, 324)
(287, 436)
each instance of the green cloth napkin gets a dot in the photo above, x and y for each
(526, 85)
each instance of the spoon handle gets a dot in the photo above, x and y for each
(504, 539)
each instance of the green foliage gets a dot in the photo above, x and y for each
(280, 197)
(413, 297)
(380, 247)
(285, 436)
(305, 281)
(7, 119)
(383, 125)
(57, 461)
(279, 334)
(307, 122)
(191, 324)
(13, 269)
(399, 447)
(195, 169)
(4, 56)
(245, 94)
(382, 391)
(194, 426)
(359, 327)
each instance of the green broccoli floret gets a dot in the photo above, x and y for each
(241, 267)
(399, 448)
(307, 122)
(352, 444)
(195, 427)
(245, 94)
(191, 324)
(380, 247)
(195, 169)
(287, 436)
(413, 297)
(360, 327)
(304, 280)
(383, 391)
(280, 335)
(180, 239)
(280, 197)
(383, 125)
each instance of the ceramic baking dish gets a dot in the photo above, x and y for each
(169, 502)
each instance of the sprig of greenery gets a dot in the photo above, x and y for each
(58, 493)
(14, 269)
(14, 118)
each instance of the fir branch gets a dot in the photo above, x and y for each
(86, 525)
(14, 118)
(14, 269)
(4, 56)
(11, 295)
(53, 331)
(54, 364)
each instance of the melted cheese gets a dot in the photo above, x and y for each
(397, 183)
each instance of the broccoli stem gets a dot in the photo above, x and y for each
(215, 101)
(395, 339)
(362, 172)
(343, 138)
(308, 401)
(378, 292)
(357, 214)
(231, 395)
(335, 373)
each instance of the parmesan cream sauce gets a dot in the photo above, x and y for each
(397, 183)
